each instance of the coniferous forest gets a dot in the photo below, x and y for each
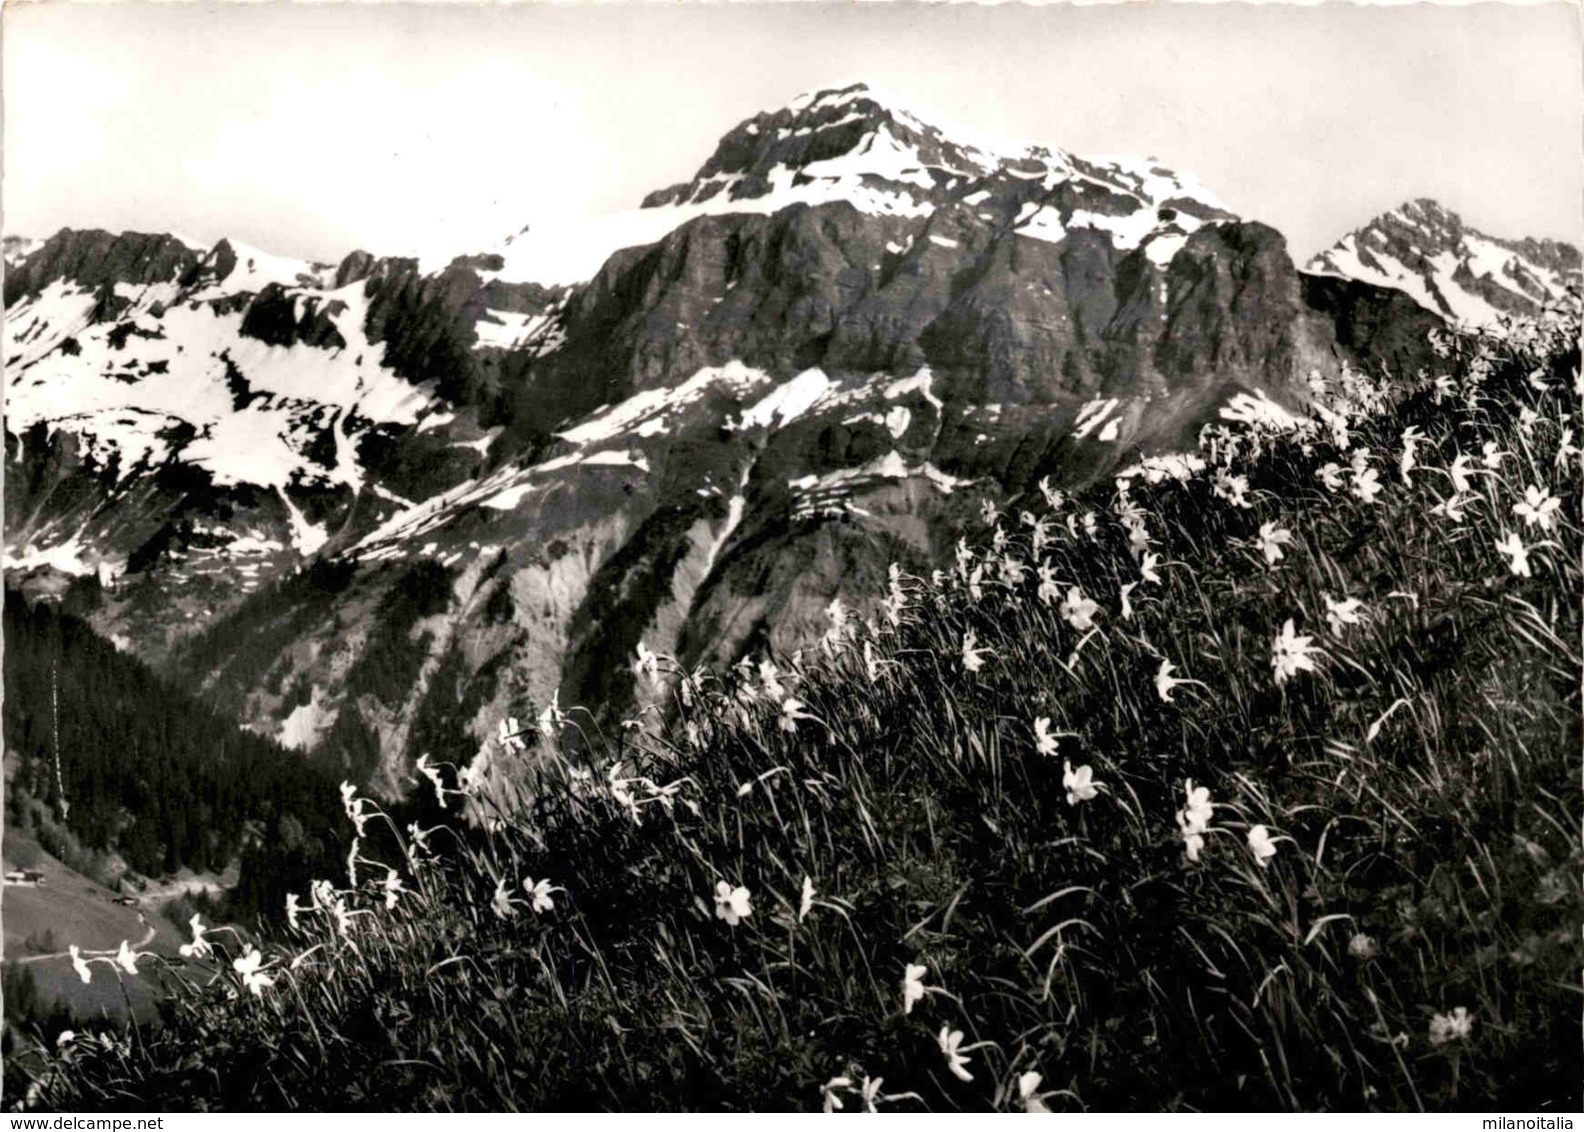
(131, 766)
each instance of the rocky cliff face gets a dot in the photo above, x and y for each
(1448, 267)
(373, 507)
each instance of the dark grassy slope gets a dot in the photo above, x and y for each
(1411, 942)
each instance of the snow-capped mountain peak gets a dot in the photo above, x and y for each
(1451, 268)
(857, 145)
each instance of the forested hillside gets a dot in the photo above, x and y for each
(134, 768)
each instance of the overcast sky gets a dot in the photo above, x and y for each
(311, 130)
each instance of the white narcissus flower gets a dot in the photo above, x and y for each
(830, 1093)
(976, 583)
(293, 910)
(1193, 820)
(734, 905)
(1044, 741)
(972, 655)
(501, 903)
(551, 719)
(1567, 451)
(322, 893)
(1518, 554)
(1078, 610)
(1453, 508)
(1411, 438)
(392, 887)
(1458, 472)
(1040, 538)
(539, 894)
(1453, 1027)
(1166, 683)
(1127, 605)
(1366, 484)
(126, 958)
(80, 965)
(1028, 1092)
(1492, 456)
(253, 979)
(1270, 541)
(1291, 653)
(791, 712)
(806, 901)
(1348, 611)
(949, 1041)
(1079, 784)
(874, 667)
(1539, 507)
(989, 512)
(199, 947)
(1260, 843)
(1053, 498)
(965, 556)
(770, 678)
(1049, 587)
(353, 806)
(913, 988)
(1331, 476)
(1147, 568)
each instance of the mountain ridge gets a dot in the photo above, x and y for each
(698, 446)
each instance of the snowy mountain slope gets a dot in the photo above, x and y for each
(372, 508)
(1452, 269)
(227, 408)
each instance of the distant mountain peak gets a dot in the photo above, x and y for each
(853, 130)
(1427, 251)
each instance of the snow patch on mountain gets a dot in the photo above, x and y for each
(788, 401)
(644, 412)
(66, 557)
(1092, 413)
(828, 495)
(573, 249)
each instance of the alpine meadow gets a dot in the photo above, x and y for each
(900, 621)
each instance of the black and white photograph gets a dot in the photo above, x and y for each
(793, 558)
